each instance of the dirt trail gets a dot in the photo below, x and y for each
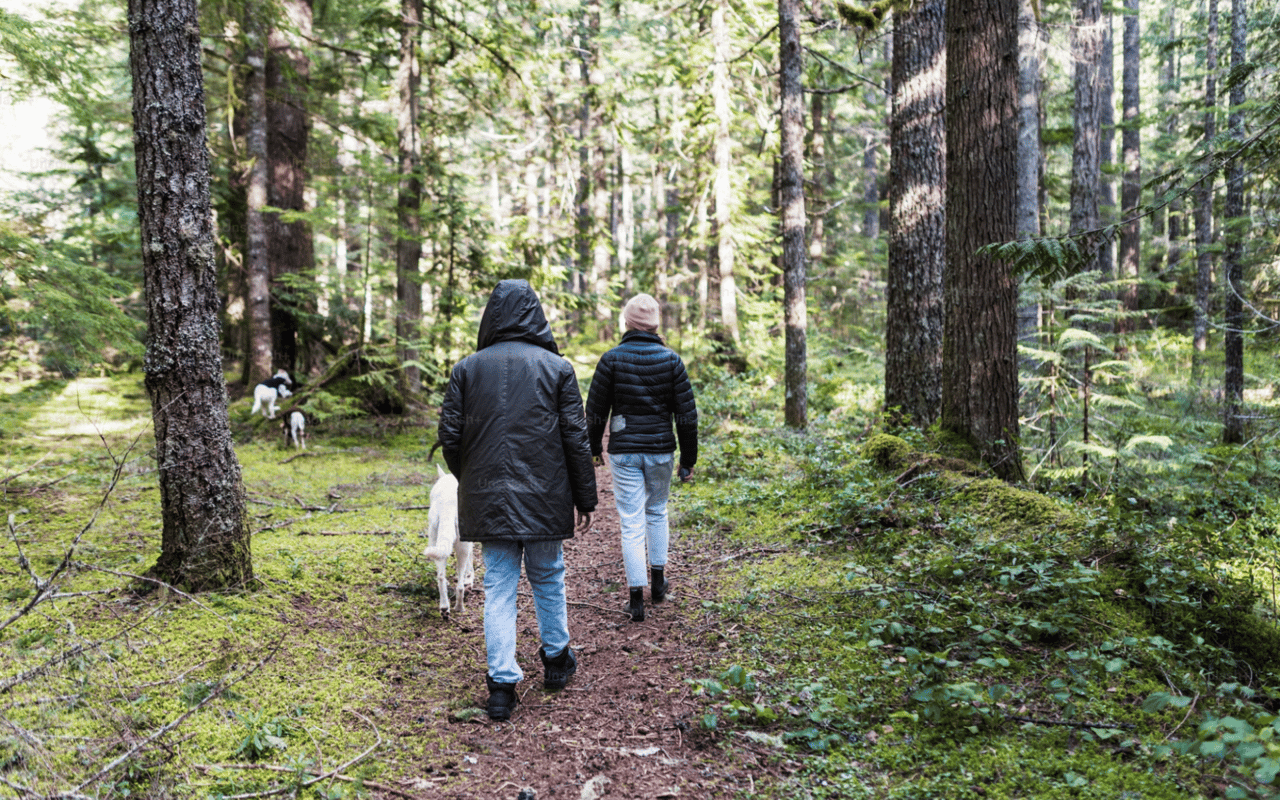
(626, 726)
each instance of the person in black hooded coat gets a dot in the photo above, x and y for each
(513, 432)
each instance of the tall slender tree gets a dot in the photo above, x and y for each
(204, 539)
(256, 256)
(1087, 39)
(980, 293)
(1131, 157)
(409, 194)
(1233, 257)
(724, 201)
(917, 216)
(1204, 197)
(791, 167)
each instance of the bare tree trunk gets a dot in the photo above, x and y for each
(980, 293)
(257, 261)
(409, 196)
(1131, 188)
(724, 169)
(1086, 151)
(795, 313)
(1234, 210)
(817, 194)
(205, 539)
(1106, 151)
(1204, 200)
(917, 216)
(1030, 155)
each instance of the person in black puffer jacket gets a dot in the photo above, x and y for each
(513, 433)
(639, 389)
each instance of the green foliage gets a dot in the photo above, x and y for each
(262, 735)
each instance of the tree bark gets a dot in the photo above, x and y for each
(409, 195)
(1234, 210)
(795, 314)
(205, 540)
(1030, 157)
(980, 293)
(1086, 149)
(257, 260)
(1204, 200)
(917, 216)
(1131, 187)
(724, 170)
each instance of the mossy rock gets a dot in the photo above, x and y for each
(888, 452)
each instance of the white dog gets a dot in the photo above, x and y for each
(295, 429)
(442, 531)
(265, 396)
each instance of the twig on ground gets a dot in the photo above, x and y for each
(1128, 726)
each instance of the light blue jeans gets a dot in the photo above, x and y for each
(544, 566)
(641, 486)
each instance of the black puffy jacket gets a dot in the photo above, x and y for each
(512, 428)
(642, 384)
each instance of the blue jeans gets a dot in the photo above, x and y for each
(544, 566)
(641, 485)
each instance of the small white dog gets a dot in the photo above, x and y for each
(295, 430)
(268, 392)
(442, 531)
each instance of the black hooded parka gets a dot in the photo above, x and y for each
(512, 428)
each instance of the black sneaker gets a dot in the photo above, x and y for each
(635, 606)
(557, 671)
(658, 584)
(502, 699)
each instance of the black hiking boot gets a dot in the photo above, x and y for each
(658, 584)
(557, 671)
(636, 605)
(502, 699)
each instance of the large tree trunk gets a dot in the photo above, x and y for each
(205, 540)
(980, 293)
(917, 216)
(409, 196)
(289, 243)
(1131, 188)
(1234, 210)
(795, 313)
(256, 257)
(724, 169)
(1204, 200)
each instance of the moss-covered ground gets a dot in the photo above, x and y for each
(893, 624)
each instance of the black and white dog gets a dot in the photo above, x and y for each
(266, 393)
(295, 429)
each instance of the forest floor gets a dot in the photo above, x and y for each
(626, 726)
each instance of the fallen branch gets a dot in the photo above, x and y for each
(350, 533)
(1128, 726)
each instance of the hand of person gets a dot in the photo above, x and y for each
(584, 521)
(685, 473)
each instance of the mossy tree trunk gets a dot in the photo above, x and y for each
(205, 542)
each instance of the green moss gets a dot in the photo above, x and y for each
(887, 451)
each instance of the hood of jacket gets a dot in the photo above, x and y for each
(513, 313)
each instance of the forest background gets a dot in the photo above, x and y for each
(375, 169)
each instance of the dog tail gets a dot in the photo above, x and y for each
(439, 552)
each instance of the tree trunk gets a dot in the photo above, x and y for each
(256, 259)
(205, 540)
(1106, 153)
(1204, 200)
(724, 166)
(1086, 150)
(409, 196)
(917, 217)
(1030, 157)
(980, 293)
(795, 313)
(1233, 379)
(1131, 188)
(289, 243)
